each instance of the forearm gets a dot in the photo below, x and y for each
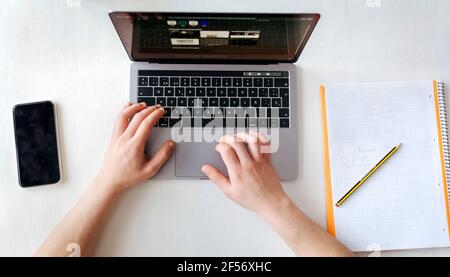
(303, 236)
(83, 223)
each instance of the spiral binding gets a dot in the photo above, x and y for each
(444, 130)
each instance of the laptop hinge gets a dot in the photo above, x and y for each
(184, 61)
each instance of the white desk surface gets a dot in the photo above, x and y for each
(67, 51)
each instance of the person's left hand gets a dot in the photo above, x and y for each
(125, 163)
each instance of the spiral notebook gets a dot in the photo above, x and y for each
(405, 203)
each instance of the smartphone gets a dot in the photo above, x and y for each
(37, 151)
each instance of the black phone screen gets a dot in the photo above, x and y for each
(36, 144)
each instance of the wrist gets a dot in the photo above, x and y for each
(276, 206)
(106, 187)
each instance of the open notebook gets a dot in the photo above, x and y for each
(405, 203)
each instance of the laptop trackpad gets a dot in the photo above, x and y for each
(191, 156)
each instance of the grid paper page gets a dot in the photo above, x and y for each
(402, 205)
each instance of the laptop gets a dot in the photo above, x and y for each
(216, 74)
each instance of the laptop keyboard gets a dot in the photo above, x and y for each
(234, 98)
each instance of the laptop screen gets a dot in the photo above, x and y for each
(213, 37)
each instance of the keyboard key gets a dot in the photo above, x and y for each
(268, 82)
(274, 123)
(198, 112)
(186, 112)
(145, 91)
(199, 92)
(221, 92)
(240, 112)
(284, 94)
(213, 102)
(281, 82)
(143, 81)
(230, 112)
(232, 92)
(257, 82)
(255, 102)
(190, 92)
(204, 102)
(226, 82)
(263, 92)
(245, 102)
(273, 92)
(218, 112)
(176, 112)
(179, 91)
(284, 123)
(248, 82)
(261, 112)
(191, 102)
(153, 81)
(216, 82)
(237, 82)
(174, 81)
(274, 112)
(242, 92)
(206, 82)
(181, 101)
(169, 92)
(164, 81)
(223, 102)
(284, 113)
(251, 112)
(252, 122)
(265, 102)
(197, 102)
(163, 122)
(171, 101)
(211, 92)
(150, 101)
(161, 101)
(159, 91)
(234, 102)
(167, 111)
(185, 81)
(276, 102)
(252, 92)
(208, 113)
(195, 81)
(262, 122)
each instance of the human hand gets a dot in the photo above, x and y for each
(125, 163)
(252, 182)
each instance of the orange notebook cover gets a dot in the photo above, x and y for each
(360, 121)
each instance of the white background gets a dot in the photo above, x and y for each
(68, 52)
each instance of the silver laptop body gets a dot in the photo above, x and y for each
(191, 153)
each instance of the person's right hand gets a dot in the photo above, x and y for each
(252, 182)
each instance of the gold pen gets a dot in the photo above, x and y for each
(355, 187)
